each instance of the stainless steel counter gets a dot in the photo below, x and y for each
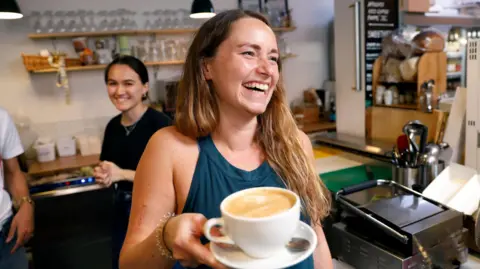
(472, 263)
(67, 191)
(352, 144)
(73, 228)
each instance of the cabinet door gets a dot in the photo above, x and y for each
(350, 76)
(360, 27)
(473, 98)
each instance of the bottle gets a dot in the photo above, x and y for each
(266, 10)
(333, 110)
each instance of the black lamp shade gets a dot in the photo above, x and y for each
(202, 9)
(9, 10)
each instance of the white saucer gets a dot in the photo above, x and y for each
(235, 258)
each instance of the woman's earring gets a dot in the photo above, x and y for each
(144, 95)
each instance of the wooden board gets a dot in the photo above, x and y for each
(318, 127)
(130, 32)
(62, 164)
(386, 124)
(433, 65)
(102, 66)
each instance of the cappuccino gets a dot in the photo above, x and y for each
(260, 221)
(260, 203)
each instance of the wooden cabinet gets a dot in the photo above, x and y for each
(430, 66)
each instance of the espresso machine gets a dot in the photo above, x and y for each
(382, 224)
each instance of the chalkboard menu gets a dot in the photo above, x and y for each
(381, 18)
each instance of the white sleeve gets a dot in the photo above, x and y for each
(10, 144)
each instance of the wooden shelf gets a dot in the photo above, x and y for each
(428, 19)
(454, 74)
(287, 56)
(62, 164)
(454, 54)
(130, 32)
(102, 66)
(404, 106)
(321, 126)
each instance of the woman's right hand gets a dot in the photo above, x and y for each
(182, 236)
(102, 175)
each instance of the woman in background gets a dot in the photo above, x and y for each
(125, 138)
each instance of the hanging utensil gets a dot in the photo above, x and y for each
(446, 152)
(432, 150)
(402, 143)
(426, 97)
(423, 137)
(409, 132)
(412, 130)
(398, 157)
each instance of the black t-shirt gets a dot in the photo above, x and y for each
(125, 150)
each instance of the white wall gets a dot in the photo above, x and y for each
(38, 97)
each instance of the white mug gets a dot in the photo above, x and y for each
(261, 237)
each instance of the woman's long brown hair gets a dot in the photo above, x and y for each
(197, 115)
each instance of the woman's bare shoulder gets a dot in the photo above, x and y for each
(306, 142)
(170, 139)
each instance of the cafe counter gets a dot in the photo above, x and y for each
(343, 161)
(73, 215)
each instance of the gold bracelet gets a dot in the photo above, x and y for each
(18, 202)
(160, 239)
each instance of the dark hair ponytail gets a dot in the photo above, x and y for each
(134, 63)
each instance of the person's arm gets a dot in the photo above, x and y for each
(15, 181)
(126, 174)
(321, 256)
(107, 173)
(153, 197)
(16, 184)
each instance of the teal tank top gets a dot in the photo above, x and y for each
(215, 178)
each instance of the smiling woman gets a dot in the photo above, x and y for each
(126, 137)
(233, 131)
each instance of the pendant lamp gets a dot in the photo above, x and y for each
(202, 9)
(9, 10)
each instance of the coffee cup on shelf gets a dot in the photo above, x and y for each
(260, 221)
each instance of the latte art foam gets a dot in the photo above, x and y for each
(258, 204)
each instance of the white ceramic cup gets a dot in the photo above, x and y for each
(257, 237)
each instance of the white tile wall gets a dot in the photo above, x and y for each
(44, 104)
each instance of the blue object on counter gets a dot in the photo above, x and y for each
(332, 117)
(62, 184)
(336, 180)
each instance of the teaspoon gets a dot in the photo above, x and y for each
(296, 244)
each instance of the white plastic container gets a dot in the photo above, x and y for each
(45, 149)
(66, 147)
(82, 141)
(457, 187)
(89, 144)
(94, 144)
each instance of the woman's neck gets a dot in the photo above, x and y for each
(236, 131)
(132, 115)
